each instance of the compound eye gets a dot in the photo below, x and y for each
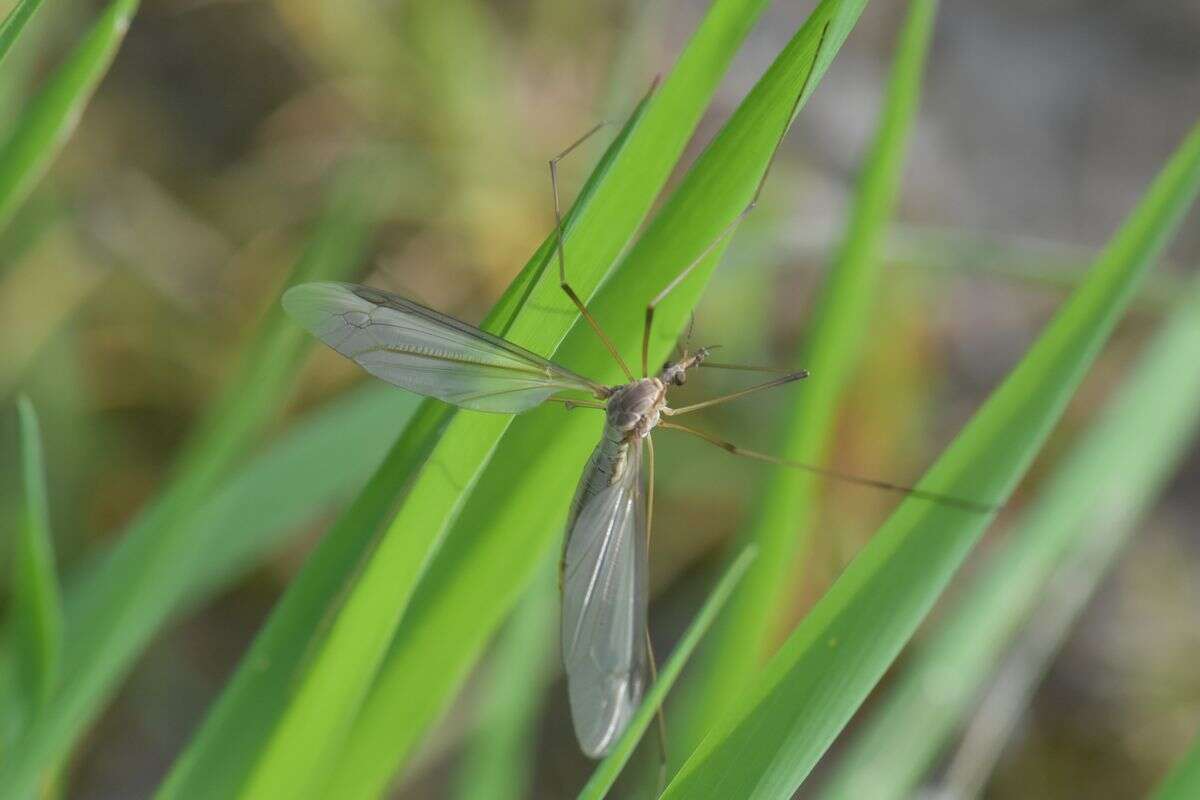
(680, 379)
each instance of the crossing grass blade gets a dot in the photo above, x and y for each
(140, 584)
(1184, 780)
(1088, 509)
(769, 742)
(14, 23)
(246, 736)
(46, 125)
(499, 761)
(36, 610)
(514, 516)
(607, 771)
(842, 312)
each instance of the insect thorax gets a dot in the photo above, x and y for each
(635, 407)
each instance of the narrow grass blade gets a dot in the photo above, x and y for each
(36, 611)
(499, 762)
(1078, 522)
(609, 769)
(516, 513)
(834, 339)
(237, 729)
(48, 122)
(14, 23)
(143, 579)
(770, 741)
(1183, 782)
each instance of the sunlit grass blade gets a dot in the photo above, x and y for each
(48, 122)
(499, 761)
(1183, 783)
(607, 771)
(36, 610)
(516, 513)
(772, 738)
(842, 314)
(240, 725)
(345, 660)
(14, 23)
(1076, 525)
(140, 584)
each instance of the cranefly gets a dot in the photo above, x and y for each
(605, 645)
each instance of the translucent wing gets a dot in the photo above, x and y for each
(425, 352)
(604, 597)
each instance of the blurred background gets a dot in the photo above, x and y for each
(163, 233)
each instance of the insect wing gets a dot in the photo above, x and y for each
(604, 604)
(426, 352)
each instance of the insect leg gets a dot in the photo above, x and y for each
(562, 260)
(745, 367)
(725, 398)
(732, 226)
(658, 714)
(935, 497)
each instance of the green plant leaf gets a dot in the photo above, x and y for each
(515, 514)
(36, 611)
(498, 764)
(770, 741)
(842, 312)
(138, 586)
(1086, 511)
(48, 122)
(14, 23)
(1184, 781)
(607, 771)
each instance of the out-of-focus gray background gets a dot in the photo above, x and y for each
(166, 226)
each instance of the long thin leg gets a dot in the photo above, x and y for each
(725, 398)
(745, 367)
(732, 226)
(947, 500)
(659, 716)
(562, 261)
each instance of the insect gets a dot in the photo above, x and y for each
(605, 645)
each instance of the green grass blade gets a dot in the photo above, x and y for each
(14, 23)
(1086, 512)
(344, 663)
(768, 744)
(1184, 780)
(607, 771)
(834, 339)
(144, 577)
(516, 513)
(231, 740)
(36, 611)
(48, 122)
(498, 764)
